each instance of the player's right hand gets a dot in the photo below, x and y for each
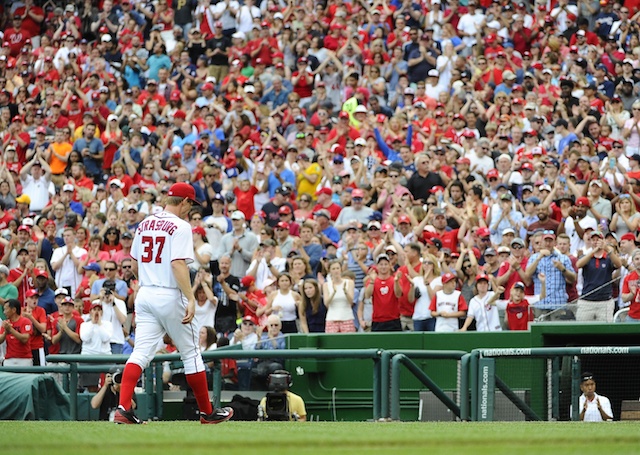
(190, 313)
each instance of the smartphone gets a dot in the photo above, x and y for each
(214, 266)
(612, 163)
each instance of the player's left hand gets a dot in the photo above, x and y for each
(190, 313)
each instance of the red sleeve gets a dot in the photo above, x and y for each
(504, 268)
(462, 304)
(433, 306)
(28, 327)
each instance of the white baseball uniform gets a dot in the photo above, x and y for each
(160, 306)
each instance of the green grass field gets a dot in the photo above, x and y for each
(182, 438)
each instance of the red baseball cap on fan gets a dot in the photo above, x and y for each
(199, 230)
(183, 190)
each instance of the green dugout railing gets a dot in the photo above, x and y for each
(155, 369)
(385, 380)
(390, 371)
(483, 379)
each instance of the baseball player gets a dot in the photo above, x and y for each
(165, 303)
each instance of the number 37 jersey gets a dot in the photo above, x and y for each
(159, 240)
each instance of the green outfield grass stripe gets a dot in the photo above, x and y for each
(281, 438)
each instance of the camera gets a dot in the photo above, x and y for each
(108, 292)
(117, 377)
(279, 381)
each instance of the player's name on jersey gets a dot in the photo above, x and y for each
(157, 225)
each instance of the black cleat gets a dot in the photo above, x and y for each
(127, 417)
(217, 416)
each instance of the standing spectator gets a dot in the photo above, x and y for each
(448, 305)
(38, 318)
(7, 290)
(596, 301)
(557, 269)
(338, 294)
(35, 178)
(239, 244)
(65, 329)
(226, 291)
(482, 308)
(381, 288)
(313, 312)
(114, 312)
(66, 262)
(92, 150)
(95, 335)
(16, 331)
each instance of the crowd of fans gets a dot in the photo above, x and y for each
(384, 165)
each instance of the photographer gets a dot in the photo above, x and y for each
(280, 403)
(108, 396)
(114, 313)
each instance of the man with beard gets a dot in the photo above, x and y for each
(226, 290)
(544, 221)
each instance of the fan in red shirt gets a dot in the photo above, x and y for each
(16, 330)
(338, 136)
(18, 138)
(264, 46)
(20, 276)
(244, 197)
(302, 79)
(33, 16)
(16, 36)
(518, 311)
(38, 318)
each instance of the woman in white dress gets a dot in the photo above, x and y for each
(338, 298)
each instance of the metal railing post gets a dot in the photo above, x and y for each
(575, 388)
(384, 384)
(473, 383)
(73, 390)
(158, 390)
(377, 388)
(555, 393)
(395, 385)
(464, 386)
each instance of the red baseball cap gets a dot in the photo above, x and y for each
(482, 276)
(175, 95)
(324, 190)
(463, 160)
(357, 193)
(179, 114)
(493, 173)
(38, 272)
(483, 232)
(199, 230)
(583, 202)
(628, 236)
(282, 225)
(247, 281)
(404, 219)
(31, 293)
(448, 277)
(527, 166)
(183, 190)
(285, 210)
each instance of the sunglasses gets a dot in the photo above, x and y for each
(109, 269)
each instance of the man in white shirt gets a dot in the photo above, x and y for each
(114, 312)
(65, 261)
(35, 177)
(593, 407)
(469, 25)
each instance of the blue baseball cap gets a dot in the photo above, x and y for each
(231, 172)
(92, 266)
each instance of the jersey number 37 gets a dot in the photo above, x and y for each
(148, 253)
